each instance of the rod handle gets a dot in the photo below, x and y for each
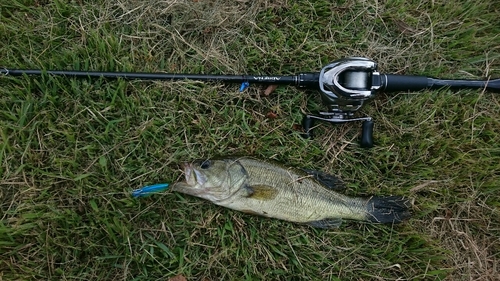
(490, 85)
(493, 85)
(396, 83)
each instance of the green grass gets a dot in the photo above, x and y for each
(72, 150)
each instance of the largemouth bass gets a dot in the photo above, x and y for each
(271, 190)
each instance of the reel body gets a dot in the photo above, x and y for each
(345, 86)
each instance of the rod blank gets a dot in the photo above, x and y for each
(261, 79)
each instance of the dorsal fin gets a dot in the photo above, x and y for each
(329, 181)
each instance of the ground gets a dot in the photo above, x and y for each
(72, 150)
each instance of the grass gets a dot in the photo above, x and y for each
(72, 150)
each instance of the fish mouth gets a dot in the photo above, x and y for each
(193, 176)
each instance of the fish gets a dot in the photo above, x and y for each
(270, 189)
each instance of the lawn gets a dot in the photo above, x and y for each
(72, 150)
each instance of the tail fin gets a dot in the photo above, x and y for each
(388, 209)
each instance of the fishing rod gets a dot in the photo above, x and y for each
(344, 85)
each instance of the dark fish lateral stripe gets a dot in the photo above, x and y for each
(388, 209)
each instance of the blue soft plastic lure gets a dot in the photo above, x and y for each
(147, 190)
(244, 85)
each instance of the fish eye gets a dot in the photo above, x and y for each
(205, 164)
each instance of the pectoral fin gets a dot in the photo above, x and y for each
(262, 192)
(326, 223)
(332, 182)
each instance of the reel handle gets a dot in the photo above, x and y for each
(367, 134)
(366, 131)
(307, 124)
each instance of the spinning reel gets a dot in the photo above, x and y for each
(345, 86)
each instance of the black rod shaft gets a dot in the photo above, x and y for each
(260, 79)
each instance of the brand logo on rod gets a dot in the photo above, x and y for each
(266, 78)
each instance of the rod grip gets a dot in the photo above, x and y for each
(396, 83)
